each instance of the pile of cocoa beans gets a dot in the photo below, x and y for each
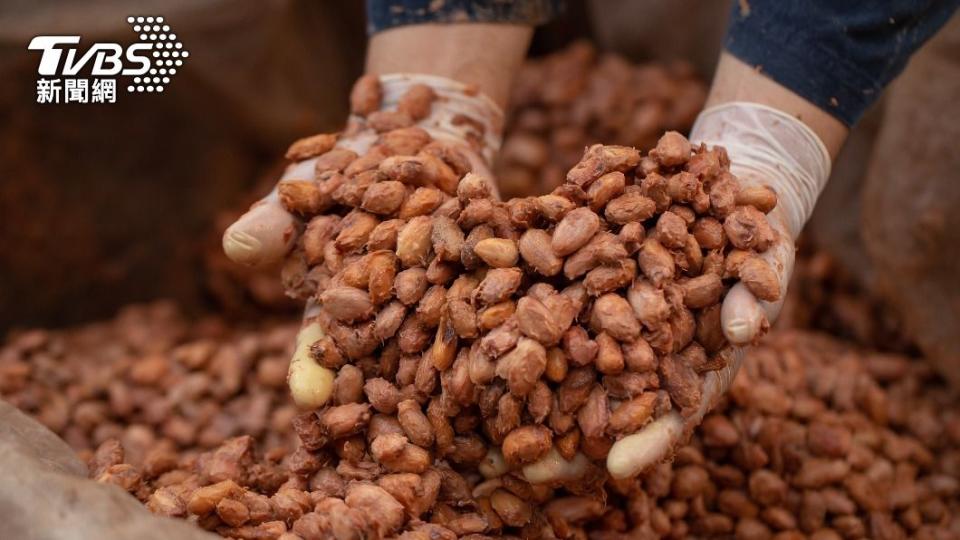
(577, 97)
(817, 439)
(513, 331)
(151, 378)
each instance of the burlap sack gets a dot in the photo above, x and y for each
(911, 200)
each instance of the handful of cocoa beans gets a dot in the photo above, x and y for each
(468, 329)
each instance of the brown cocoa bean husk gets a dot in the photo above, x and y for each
(309, 147)
(498, 285)
(574, 231)
(612, 314)
(537, 322)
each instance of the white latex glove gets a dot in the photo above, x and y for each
(766, 147)
(267, 232)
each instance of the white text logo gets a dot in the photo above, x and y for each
(71, 74)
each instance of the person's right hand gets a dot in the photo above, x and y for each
(390, 115)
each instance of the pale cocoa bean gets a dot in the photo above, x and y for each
(554, 207)
(405, 141)
(604, 279)
(493, 316)
(537, 322)
(334, 161)
(347, 304)
(416, 102)
(605, 189)
(366, 95)
(423, 201)
(526, 444)
(522, 366)
(762, 198)
(760, 278)
(655, 262)
(468, 257)
(648, 303)
(671, 230)
(629, 208)
(574, 231)
(414, 241)
(702, 291)
(311, 146)
(747, 228)
(612, 314)
(384, 235)
(535, 248)
(497, 252)
(410, 285)
(672, 149)
(447, 239)
(578, 347)
(609, 360)
(709, 233)
(631, 415)
(498, 285)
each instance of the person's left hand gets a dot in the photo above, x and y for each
(766, 147)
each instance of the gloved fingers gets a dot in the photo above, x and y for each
(263, 235)
(744, 317)
(554, 468)
(716, 383)
(267, 232)
(310, 383)
(634, 453)
(741, 316)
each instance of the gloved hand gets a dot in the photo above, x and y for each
(449, 111)
(766, 147)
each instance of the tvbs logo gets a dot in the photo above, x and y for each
(70, 74)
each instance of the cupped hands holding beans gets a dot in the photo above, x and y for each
(556, 336)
